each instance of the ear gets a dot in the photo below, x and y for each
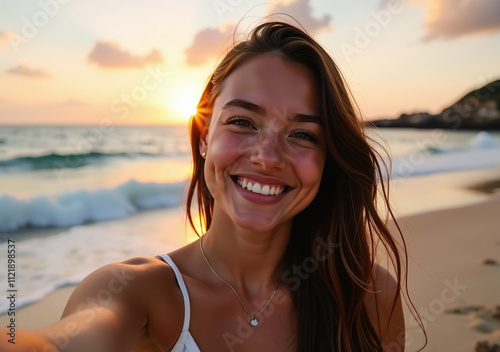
(203, 140)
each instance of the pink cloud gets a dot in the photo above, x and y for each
(209, 42)
(451, 19)
(25, 70)
(111, 55)
(6, 35)
(302, 11)
(3, 36)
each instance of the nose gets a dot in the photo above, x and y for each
(267, 152)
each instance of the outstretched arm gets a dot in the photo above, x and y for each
(105, 313)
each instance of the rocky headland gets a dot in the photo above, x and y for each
(477, 110)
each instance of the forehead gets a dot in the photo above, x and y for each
(272, 82)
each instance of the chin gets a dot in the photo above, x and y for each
(257, 227)
(260, 224)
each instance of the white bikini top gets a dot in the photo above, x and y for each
(185, 343)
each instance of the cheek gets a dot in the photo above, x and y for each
(310, 169)
(228, 143)
(226, 149)
(223, 155)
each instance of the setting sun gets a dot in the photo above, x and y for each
(183, 101)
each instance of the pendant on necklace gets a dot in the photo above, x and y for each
(254, 321)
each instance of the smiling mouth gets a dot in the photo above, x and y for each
(260, 188)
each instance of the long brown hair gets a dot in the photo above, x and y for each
(339, 231)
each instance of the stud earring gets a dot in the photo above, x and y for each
(203, 155)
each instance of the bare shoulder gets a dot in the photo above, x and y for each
(124, 282)
(141, 293)
(115, 308)
(385, 284)
(385, 309)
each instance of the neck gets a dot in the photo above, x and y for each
(250, 261)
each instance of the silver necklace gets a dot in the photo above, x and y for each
(253, 318)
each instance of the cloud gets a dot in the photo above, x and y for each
(111, 55)
(209, 43)
(449, 19)
(25, 70)
(5, 36)
(302, 11)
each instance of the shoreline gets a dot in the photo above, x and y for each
(54, 258)
(416, 195)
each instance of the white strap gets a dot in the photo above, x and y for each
(182, 286)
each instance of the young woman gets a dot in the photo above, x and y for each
(286, 186)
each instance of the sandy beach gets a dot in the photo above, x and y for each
(454, 273)
(454, 265)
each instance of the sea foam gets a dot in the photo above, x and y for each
(87, 206)
(46, 263)
(481, 151)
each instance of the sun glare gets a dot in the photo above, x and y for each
(183, 101)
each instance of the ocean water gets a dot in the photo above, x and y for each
(66, 175)
(91, 182)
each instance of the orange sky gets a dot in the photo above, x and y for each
(69, 62)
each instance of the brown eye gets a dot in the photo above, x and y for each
(240, 121)
(305, 135)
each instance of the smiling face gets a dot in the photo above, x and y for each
(265, 149)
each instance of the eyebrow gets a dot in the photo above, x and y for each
(244, 104)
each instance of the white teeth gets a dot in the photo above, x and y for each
(257, 188)
(264, 190)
